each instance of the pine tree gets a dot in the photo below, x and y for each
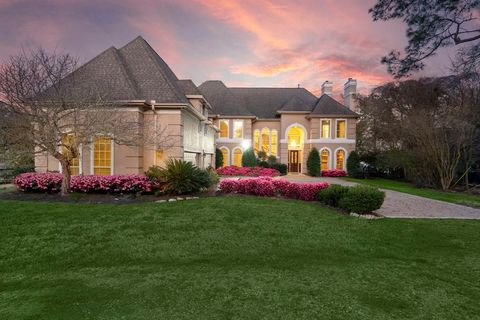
(313, 163)
(218, 158)
(248, 158)
(353, 165)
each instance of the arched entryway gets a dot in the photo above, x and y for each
(295, 136)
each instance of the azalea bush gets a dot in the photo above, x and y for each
(334, 173)
(266, 186)
(247, 171)
(52, 182)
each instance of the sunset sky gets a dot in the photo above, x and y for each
(242, 42)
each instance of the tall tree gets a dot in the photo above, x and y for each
(432, 25)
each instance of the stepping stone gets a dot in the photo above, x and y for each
(172, 200)
(160, 201)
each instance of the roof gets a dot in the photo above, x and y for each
(266, 103)
(188, 87)
(326, 105)
(133, 72)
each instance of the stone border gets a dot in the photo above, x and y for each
(176, 199)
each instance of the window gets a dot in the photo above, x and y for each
(102, 155)
(341, 129)
(158, 156)
(274, 143)
(237, 157)
(266, 140)
(256, 140)
(225, 156)
(223, 128)
(325, 129)
(340, 159)
(324, 158)
(68, 140)
(238, 129)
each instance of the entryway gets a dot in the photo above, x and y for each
(294, 164)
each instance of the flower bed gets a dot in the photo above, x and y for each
(248, 171)
(52, 182)
(266, 186)
(334, 173)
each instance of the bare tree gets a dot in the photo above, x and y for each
(49, 111)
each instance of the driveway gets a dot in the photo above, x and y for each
(403, 205)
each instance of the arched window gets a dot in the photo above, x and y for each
(266, 140)
(256, 140)
(325, 155)
(237, 157)
(223, 128)
(225, 156)
(102, 155)
(274, 143)
(340, 160)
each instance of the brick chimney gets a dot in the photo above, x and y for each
(349, 94)
(327, 88)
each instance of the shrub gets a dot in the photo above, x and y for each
(353, 165)
(334, 173)
(280, 167)
(262, 155)
(263, 164)
(153, 173)
(218, 158)
(272, 160)
(213, 177)
(362, 199)
(39, 182)
(248, 158)
(313, 163)
(182, 177)
(247, 171)
(332, 195)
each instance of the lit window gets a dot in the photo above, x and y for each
(266, 140)
(225, 156)
(68, 140)
(340, 159)
(324, 156)
(237, 157)
(158, 156)
(238, 129)
(223, 128)
(295, 138)
(256, 140)
(340, 128)
(102, 155)
(325, 128)
(274, 143)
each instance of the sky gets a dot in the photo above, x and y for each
(260, 43)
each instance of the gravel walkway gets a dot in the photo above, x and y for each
(403, 205)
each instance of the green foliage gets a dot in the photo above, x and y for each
(154, 173)
(331, 196)
(262, 155)
(214, 178)
(272, 160)
(218, 158)
(182, 177)
(313, 163)
(282, 168)
(248, 158)
(264, 164)
(362, 199)
(353, 165)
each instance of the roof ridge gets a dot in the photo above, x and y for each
(129, 76)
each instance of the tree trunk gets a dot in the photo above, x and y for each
(66, 178)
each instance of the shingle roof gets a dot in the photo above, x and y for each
(296, 104)
(133, 72)
(188, 87)
(326, 105)
(222, 100)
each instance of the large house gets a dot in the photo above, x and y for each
(283, 122)
(147, 88)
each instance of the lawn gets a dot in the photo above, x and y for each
(405, 187)
(232, 258)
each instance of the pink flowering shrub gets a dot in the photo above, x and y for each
(247, 171)
(268, 187)
(334, 173)
(51, 182)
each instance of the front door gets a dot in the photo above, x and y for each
(293, 161)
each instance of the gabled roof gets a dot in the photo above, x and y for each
(222, 100)
(326, 105)
(133, 72)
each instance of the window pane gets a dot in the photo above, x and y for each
(238, 129)
(324, 155)
(102, 156)
(225, 157)
(223, 129)
(266, 140)
(274, 143)
(340, 157)
(256, 140)
(341, 129)
(325, 129)
(237, 157)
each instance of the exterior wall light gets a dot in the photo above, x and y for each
(245, 144)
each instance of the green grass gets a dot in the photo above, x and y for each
(405, 187)
(232, 258)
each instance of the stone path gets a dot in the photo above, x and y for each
(403, 205)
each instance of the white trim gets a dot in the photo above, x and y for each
(330, 157)
(112, 154)
(329, 129)
(233, 154)
(346, 129)
(228, 140)
(296, 124)
(228, 153)
(344, 158)
(341, 140)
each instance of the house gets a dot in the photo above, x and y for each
(283, 122)
(146, 89)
